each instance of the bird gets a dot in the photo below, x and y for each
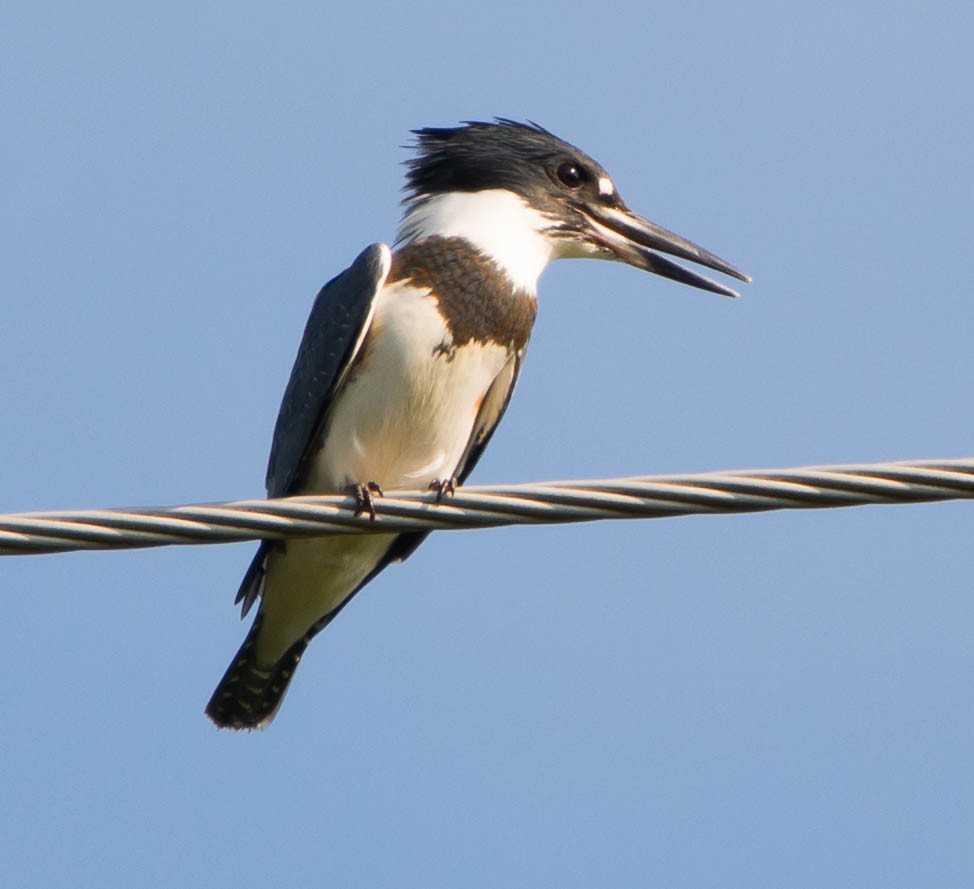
(409, 359)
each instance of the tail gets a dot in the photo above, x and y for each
(250, 693)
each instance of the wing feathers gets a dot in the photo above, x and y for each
(332, 338)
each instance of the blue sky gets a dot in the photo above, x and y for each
(768, 700)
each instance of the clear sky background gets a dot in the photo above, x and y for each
(773, 700)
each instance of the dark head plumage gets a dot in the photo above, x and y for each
(522, 157)
(574, 202)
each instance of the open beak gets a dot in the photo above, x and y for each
(639, 242)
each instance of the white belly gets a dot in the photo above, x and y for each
(402, 420)
(406, 415)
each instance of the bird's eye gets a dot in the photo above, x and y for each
(571, 175)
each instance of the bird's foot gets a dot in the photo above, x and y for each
(443, 487)
(363, 494)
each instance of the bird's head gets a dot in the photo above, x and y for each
(524, 197)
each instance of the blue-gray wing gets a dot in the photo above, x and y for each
(492, 408)
(336, 327)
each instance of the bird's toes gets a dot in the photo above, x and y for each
(443, 487)
(364, 500)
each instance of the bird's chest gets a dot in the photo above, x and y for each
(405, 415)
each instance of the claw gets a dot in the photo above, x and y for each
(363, 496)
(443, 487)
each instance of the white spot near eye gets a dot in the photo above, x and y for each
(606, 186)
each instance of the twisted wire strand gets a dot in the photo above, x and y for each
(485, 506)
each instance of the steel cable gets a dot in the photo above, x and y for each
(484, 506)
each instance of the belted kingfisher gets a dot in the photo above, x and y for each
(408, 361)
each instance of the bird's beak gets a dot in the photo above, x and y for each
(639, 242)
